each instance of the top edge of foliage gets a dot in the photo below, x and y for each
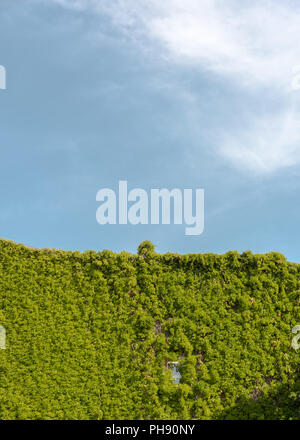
(233, 255)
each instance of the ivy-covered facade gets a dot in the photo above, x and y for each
(90, 335)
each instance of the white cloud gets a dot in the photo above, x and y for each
(254, 44)
(266, 145)
(256, 41)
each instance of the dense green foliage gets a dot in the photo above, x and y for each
(89, 335)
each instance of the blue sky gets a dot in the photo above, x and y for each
(162, 94)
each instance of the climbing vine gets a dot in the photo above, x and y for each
(90, 335)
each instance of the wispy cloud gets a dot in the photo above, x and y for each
(254, 44)
(257, 44)
(258, 40)
(266, 145)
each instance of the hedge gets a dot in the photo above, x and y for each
(89, 335)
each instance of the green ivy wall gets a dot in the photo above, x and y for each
(89, 335)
